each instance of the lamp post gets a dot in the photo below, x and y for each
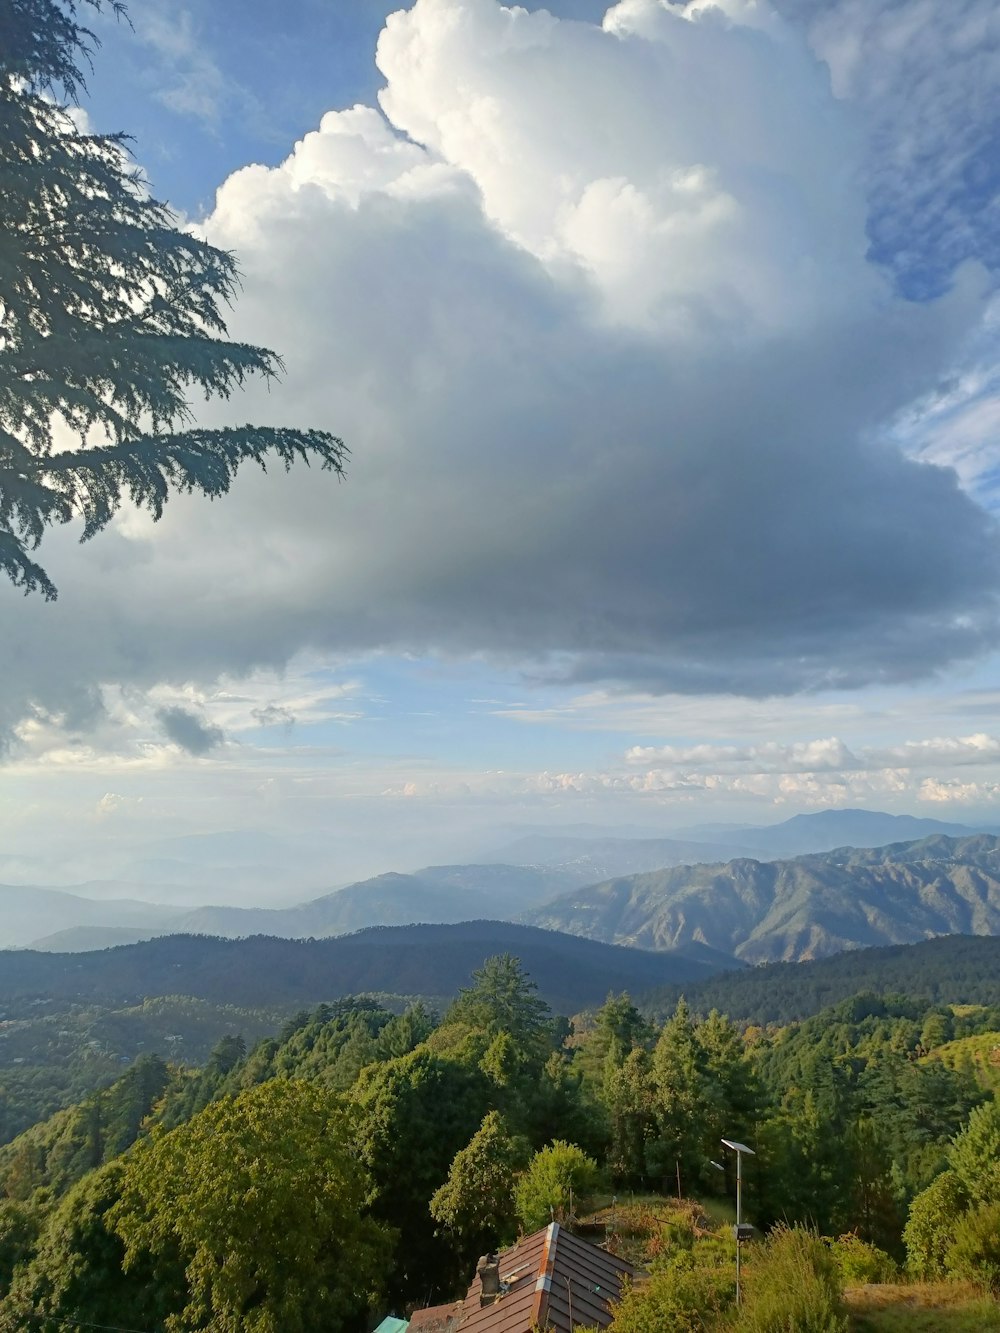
(741, 1232)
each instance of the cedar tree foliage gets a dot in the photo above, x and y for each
(109, 316)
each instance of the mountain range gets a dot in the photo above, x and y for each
(806, 907)
(826, 830)
(440, 894)
(798, 912)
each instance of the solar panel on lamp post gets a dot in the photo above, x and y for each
(739, 1231)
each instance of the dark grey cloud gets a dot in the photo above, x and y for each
(273, 715)
(188, 731)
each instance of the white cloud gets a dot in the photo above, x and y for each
(801, 756)
(595, 315)
(627, 154)
(829, 754)
(959, 793)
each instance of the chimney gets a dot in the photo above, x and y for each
(488, 1272)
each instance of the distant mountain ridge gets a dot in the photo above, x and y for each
(436, 894)
(805, 907)
(827, 830)
(540, 866)
(589, 860)
(27, 911)
(429, 960)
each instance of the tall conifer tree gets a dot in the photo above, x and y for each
(109, 316)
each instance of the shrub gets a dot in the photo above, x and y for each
(685, 1294)
(792, 1284)
(929, 1232)
(975, 1251)
(556, 1176)
(859, 1263)
(974, 1155)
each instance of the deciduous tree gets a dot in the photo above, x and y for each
(416, 1113)
(556, 1179)
(262, 1199)
(76, 1273)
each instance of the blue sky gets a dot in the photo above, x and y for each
(666, 351)
(207, 87)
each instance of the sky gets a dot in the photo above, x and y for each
(664, 338)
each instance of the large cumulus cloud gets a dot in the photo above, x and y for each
(595, 310)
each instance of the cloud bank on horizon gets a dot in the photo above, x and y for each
(619, 322)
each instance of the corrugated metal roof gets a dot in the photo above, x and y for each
(390, 1324)
(550, 1279)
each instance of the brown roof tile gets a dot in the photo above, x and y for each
(550, 1279)
(437, 1318)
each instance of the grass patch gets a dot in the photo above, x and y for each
(921, 1307)
(720, 1211)
(981, 1052)
(643, 1228)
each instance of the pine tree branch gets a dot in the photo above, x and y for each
(22, 570)
(195, 460)
(110, 315)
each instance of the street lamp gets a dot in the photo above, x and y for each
(740, 1231)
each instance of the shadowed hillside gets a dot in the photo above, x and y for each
(951, 970)
(413, 960)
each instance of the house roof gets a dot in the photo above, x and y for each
(550, 1279)
(437, 1318)
(390, 1324)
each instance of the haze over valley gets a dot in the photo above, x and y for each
(753, 905)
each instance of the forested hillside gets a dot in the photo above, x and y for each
(803, 908)
(953, 969)
(384, 1152)
(410, 960)
(58, 1052)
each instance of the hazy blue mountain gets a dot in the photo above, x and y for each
(158, 895)
(806, 907)
(429, 960)
(588, 860)
(825, 830)
(513, 888)
(85, 939)
(386, 900)
(441, 894)
(598, 854)
(437, 894)
(28, 912)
